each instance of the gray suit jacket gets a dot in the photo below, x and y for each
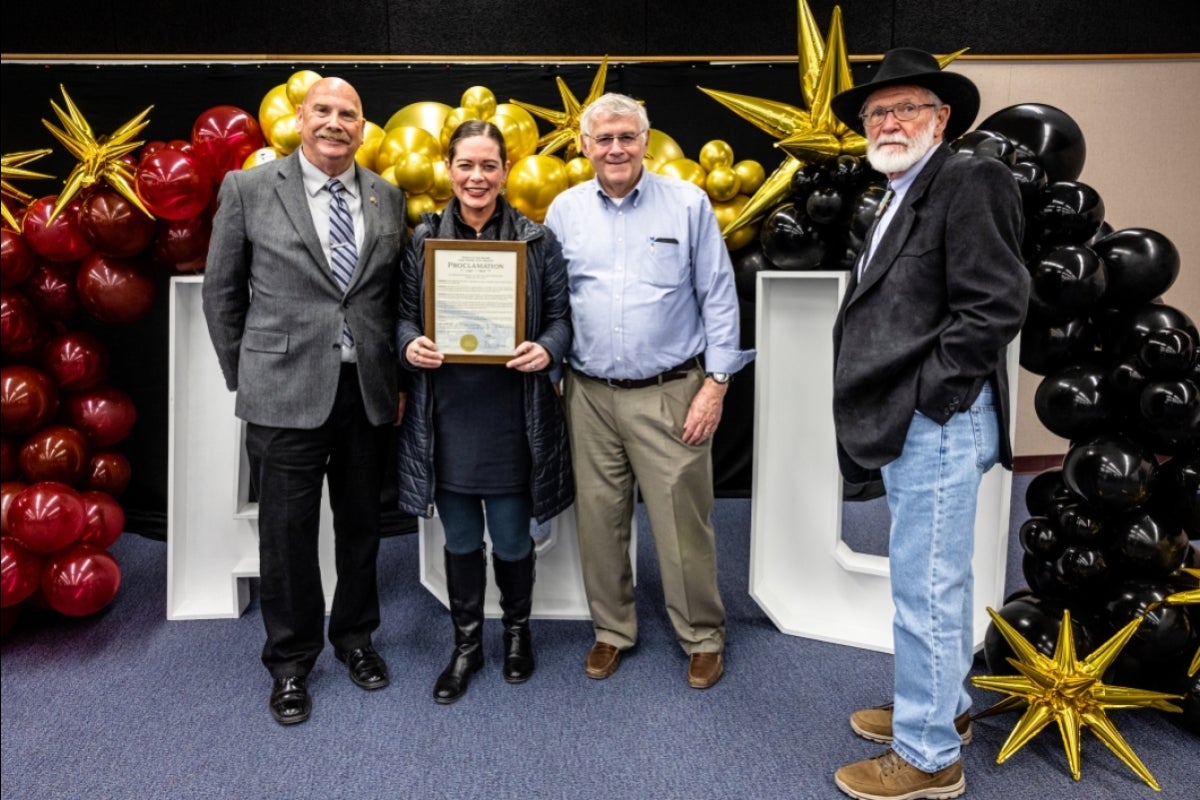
(944, 294)
(275, 311)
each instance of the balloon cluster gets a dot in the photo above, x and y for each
(1108, 536)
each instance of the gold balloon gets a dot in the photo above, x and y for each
(685, 169)
(414, 173)
(525, 142)
(660, 148)
(299, 84)
(368, 152)
(579, 169)
(726, 213)
(751, 174)
(399, 142)
(284, 134)
(722, 184)
(389, 175)
(442, 189)
(427, 115)
(417, 205)
(454, 118)
(480, 100)
(716, 153)
(275, 104)
(262, 155)
(533, 182)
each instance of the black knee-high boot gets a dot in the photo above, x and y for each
(466, 579)
(515, 579)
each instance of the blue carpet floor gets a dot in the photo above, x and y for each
(129, 705)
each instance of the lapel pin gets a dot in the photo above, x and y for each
(372, 199)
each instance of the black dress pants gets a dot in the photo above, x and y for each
(290, 465)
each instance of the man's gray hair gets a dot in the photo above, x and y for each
(613, 105)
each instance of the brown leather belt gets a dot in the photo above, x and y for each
(673, 374)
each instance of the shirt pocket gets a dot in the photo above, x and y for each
(667, 265)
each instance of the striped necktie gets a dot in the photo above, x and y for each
(343, 252)
(867, 250)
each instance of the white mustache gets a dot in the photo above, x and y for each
(337, 136)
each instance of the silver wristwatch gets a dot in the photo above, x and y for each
(719, 377)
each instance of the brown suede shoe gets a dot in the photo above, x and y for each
(705, 669)
(602, 660)
(875, 724)
(890, 777)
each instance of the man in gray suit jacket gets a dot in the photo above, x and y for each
(300, 296)
(920, 392)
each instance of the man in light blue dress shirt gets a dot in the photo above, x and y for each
(656, 343)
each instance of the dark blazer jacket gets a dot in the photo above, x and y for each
(944, 294)
(275, 311)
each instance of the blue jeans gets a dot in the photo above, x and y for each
(932, 489)
(507, 522)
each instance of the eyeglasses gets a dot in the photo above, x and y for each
(904, 112)
(607, 141)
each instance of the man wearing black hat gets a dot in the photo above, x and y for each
(920, 392)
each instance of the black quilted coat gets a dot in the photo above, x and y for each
(547, 322)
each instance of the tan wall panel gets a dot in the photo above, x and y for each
(1141, 123)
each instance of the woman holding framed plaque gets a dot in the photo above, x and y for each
(484, 327)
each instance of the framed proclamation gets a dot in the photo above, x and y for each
(475, 298)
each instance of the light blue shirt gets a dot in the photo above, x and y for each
(651, 283)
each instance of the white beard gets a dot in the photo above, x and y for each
(891, 161)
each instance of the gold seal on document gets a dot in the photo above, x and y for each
(468, 343)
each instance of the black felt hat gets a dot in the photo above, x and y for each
(907, 66)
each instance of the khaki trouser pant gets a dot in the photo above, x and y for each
(626, 437)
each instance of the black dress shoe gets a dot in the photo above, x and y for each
(290, 701)
(367, 668)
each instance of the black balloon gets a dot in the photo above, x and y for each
(1069, 213)
(1177, 492)
(805, 179)
(863, 210)
(1126, 381)
(1085, 570)
(1050, 345)
(1142, 264)
(1190, 718)
(1038, 622)
(1067, 282)
(1111, 472)
(1039, 538)
(1043, 134)
(986, 144)
(1032, 181)
(824, 205)
(846, 172)
(749, 262)
(1043, 489)
(1171, 409)
(1073, 402)
(790, 240)
(1043, 577)
(1146, 548)
(1123, 332)
(1080, 525)
(1162, 639)
(1167, 353)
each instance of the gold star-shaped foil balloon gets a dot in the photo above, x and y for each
(1070, 693)
(566, 122)
(99, 156)
(804, 135)
(12, 167)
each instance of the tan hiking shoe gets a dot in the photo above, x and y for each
(890, 777)
(875, 724)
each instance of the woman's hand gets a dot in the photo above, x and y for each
(529, 357)
(422, 352)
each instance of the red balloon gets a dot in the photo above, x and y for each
(104, 413)
(56, 453)
(110, 473)
(20, 572)
(150, 148)
(173, 184)
(28, 398)
(10, 464)
(60, 239)
(46, 516)
(16, 258)
(115, 290)
(8, 490)
(80, 581)
(181, 145)
(22, 329)
(105, 519)
(193, 266)
(113, 225)
(52, 290)
(182, 240)
(223, 137)
(76, 359)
